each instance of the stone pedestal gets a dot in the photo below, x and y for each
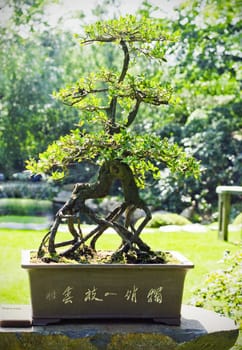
(200, 329)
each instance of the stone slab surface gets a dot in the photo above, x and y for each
(15, 316)
(200, 329)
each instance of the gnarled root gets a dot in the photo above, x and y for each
(76, 205)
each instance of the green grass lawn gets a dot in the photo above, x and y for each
(203, 249)
(23, 219)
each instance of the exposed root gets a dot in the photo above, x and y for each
(85, 255)
(76, 205)
(137, 256)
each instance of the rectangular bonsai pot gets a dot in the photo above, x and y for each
(106, 291)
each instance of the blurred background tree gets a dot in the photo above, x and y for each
(205, 71)
(204, 68)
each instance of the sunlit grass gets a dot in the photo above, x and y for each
(203, 249)
(23, 219)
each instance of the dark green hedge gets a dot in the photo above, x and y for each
(27, 189)
(19, 206)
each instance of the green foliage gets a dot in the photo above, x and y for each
(206, 77)
(209, 66)
(203, 73)
(136, 150)
(159, 220)
(93, 93)
(17, 206)
(82, 95)
(25, 11)
(129, 29)
(31, 67)
(111, 99)
(207, 136)
(222, 289)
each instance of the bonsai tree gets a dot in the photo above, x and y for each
(110, 101)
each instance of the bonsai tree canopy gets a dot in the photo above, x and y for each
(109, 101)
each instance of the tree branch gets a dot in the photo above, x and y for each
(133, 113)
(113, 103)
(126, 60)
(133, 39)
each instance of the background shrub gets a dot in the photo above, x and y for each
(209, 137)
(24, 189)
(222, 289)
(238, 220)
(166, 219)
(18, 206)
